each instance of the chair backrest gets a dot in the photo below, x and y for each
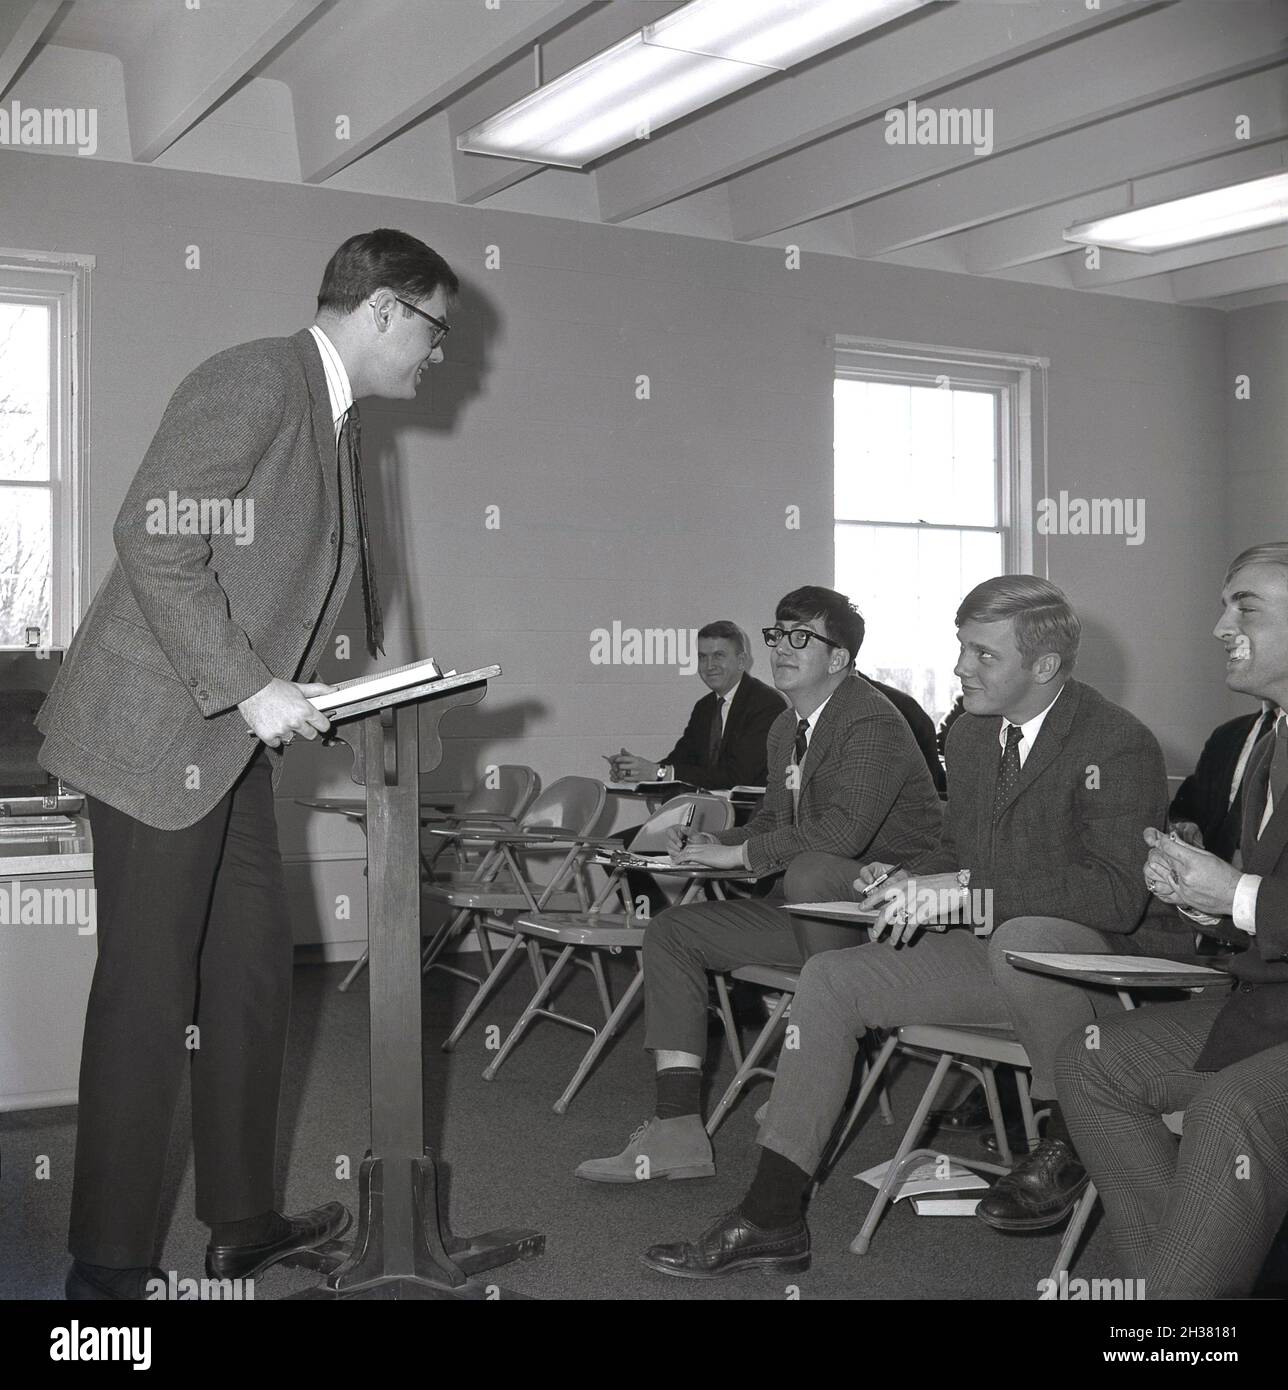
(710, 813)
(575, 803)
(515, 788)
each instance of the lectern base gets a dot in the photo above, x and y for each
(442, 1266)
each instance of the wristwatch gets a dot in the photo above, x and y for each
(661, 773)
(963, 878)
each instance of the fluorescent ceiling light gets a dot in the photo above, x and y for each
(1243, 207)
(697, 54)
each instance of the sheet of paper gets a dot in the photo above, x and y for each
(378, 683)
(837, 909)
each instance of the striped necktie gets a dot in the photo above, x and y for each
(350, 443)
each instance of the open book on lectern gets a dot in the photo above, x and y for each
(380, 689)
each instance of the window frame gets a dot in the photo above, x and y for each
(1020, 382)
(61, 281)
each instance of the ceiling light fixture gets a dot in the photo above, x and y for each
(691, 57)
(1242, 207)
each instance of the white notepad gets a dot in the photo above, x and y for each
(378, 683)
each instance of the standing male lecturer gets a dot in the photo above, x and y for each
(193, 643)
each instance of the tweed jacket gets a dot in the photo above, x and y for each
(185, 626)
(865, 790)
(1069, 840)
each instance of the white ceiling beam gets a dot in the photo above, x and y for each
(1118, 266)
(1153, 55)
(479, 176)
(21, 24)
(1277, 294)
(930, 48)
(1180, 131)
(378, 68)
(1261, 271)
(193, 59)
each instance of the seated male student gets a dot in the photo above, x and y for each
(723, 744)
(1050, 787)
(1207, 809)
(1195, 1218)
(845, 778)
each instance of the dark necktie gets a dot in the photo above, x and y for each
(716, 734)
(1279, 766)
(1009, 774)
(802, 744)
(350, 444)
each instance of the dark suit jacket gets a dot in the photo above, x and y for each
(185, 627)
(1204, 796)
(864, 787)
(923, 729)
(741, 760)
(1069, 841)
(1256, 1015)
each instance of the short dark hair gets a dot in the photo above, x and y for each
(723, 629)
(1044, 617)
(842, 621)
(383, 259)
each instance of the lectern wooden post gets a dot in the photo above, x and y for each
(402, 1248)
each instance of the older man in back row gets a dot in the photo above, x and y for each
(1050, 789)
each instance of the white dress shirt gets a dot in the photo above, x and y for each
(337, 379)
(1028, 730)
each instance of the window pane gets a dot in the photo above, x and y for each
(24, 391)
(908, 584)
(26, 564)
(915, 453)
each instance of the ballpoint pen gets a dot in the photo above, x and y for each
(685, 821)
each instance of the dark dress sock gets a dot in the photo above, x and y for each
(777, 1192)
(678, 1092)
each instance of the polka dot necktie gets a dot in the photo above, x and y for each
(1009, 775)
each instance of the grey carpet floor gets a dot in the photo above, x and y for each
(509, 1161)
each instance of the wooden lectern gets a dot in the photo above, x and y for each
(403, 1248)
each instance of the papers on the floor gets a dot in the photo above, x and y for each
(945, 1206)
(378, 683)
(924, 1180)
(1118, 965)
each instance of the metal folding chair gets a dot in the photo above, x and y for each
(582, 938)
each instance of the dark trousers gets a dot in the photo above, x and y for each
(1192, 1217)
(194, 968)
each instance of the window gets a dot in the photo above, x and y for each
(933, 453)
(42, 340)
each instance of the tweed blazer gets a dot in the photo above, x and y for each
(864, 787)
(184, 627)
(1069, 840)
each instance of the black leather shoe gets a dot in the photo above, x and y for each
(304, 1232)
(731, 1244)
(971, 1115)
(1040, 1192)
(87, 1282)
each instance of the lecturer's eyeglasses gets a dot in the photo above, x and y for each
(798, 637)
(441, 329)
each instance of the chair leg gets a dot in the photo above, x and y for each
(896, 1171)
(866, 1087)
(435, 945)
(483, 993)
(1026, 1109)
(749, 1064)
(601, 983)
(883, 1096)
(726, 1019)
(359, 965)
(1073, 1231)
(608, 1031)
(994, 1101)
(529, 1013)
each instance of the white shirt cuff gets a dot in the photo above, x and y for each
(1245, 903)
